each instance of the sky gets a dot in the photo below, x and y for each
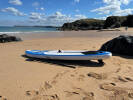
(58, 12)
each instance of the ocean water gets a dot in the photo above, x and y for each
(14, 30)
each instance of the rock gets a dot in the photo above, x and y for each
(84, 24)
(115, 21)
(129, 21)
(96, 24)
(119, 45)
(7, 38)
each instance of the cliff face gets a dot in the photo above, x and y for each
(95, 24)
(129, 21)
(115, 21)
(84, 24)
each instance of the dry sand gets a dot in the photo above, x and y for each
(26, 79)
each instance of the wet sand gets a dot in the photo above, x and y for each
(67, 34)
(28, 79)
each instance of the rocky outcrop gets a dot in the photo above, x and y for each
(129, 21)
(7, 38)
(84, 24)
(118, 21)
(95, 24)
(119, 45)
(115, 21)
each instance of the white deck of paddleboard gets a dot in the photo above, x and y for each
(70, 52)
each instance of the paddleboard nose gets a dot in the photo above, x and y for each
(109, 54)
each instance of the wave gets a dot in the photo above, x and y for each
(8, 32)
(26, 32)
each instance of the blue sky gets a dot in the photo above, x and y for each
(57, 12)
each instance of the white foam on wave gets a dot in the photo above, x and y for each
(10, 32)
(25, 32)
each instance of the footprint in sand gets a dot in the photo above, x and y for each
(46, 97)
(43, 93)
(41, 89)
(45, 88)
(2, 98)
(72, 75)
(97, 76)
(118, 70)
(81, 93)
(58, 76)
(130, 94)
(129, 67)
(125, 69)
(88, 98)
(47, 85)
(123, 78)
(119, 93)
(81, 77)
(69, 94)
(32, 93)
(108, 86)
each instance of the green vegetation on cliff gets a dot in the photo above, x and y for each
(84, 24)
(96, 24)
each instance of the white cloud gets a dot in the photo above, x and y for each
(15, 2)
(36, 16)
(123, 12)
(41, 8)
(103, 18)
(80, 16)
(106, 9)
(77, 1)
(113, 7)
(126, 2)
(117, 2)
(55, 19)
(58, 17)
(35, 4)
(13, 11)
(58, 14)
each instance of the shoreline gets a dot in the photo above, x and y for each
(62, 34)
(68, 34)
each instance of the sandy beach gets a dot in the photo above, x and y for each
(26, 79)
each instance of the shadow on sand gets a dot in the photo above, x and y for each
(65, 63)
(101, 30)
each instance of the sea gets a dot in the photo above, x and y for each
(25, 29)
